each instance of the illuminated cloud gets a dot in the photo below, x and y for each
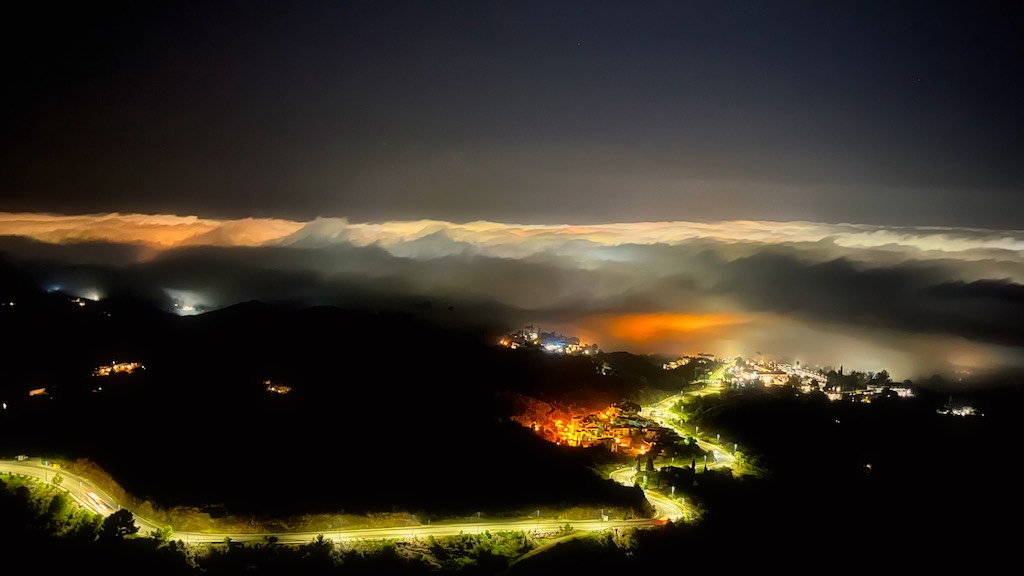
(665, 325)
(497, 239)
(157, 231)
(910, 299)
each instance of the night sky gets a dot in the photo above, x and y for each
(555, 112)
(836, 179)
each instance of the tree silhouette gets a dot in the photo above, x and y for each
(58, 510)
(118, 525)
(319, 554)
(84, 525)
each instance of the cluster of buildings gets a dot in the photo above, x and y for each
(747, 372)
(112, 368)
(619, 428)
(951, 409)
(118, 368)
(533, 338)
(870, 393)
(835, 384)
(702, 358)
(272, 388)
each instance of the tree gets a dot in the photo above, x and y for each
(57, 479)
(59, 509)
(319, 554)
(163, 533)
(118, 525)
(84, 525)
(882, 378)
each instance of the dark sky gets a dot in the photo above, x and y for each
(536, 112)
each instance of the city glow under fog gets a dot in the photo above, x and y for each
(911, 300)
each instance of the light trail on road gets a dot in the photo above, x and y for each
(77, 487)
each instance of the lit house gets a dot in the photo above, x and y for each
(276, 388)
(118, 368)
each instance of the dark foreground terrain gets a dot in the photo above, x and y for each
(389, 412)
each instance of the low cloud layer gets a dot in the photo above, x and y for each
(911, 300)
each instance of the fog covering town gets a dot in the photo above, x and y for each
(915, 301)
(511, 288)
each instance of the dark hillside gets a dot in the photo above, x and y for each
(383, 411)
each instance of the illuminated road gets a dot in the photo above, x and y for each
(422, 531)
(78, 487)
(623, 476)
(660, 413)
(666, 507)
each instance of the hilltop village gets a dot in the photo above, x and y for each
(624, 427)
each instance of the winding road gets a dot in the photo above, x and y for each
(659, 412)
(666, 508)
(79, 488)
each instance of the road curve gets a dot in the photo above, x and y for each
(665, 507)
(78, 487)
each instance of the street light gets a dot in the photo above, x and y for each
(718, 437)
(735, 447)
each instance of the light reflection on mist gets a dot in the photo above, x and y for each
(910, 300)
(187, 302)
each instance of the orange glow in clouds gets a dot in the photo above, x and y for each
(156, 231)
(663, 325)
(655, 331)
